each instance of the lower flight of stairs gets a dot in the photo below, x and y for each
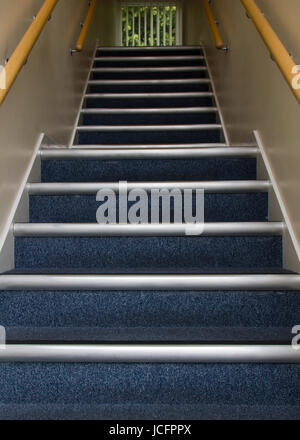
(143, 321)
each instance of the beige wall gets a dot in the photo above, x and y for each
(109, 23)
(191, 11)
(47, 93)
(252, 92)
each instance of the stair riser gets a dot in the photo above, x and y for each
(149, 88)
(133, 316)
(204, 101)
(144, 384)
(148, 254)
(148, 170)
(150, 119)
(163, 52)
(164, 62)
(80, 209)
(172, 74)
(148, 137)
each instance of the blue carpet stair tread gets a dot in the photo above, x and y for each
(163, 52)
(83, 208)
(81, 170)
(150, 119)
(148, 412)
(148, 335)
(136, 74)
(221, 313)
(148, 137)
(148, 88)
(164, 62)
(163, 102)
(147, 254)
(162, 384)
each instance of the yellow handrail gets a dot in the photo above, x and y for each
(22, 51)
(275, 46)
(86, 26)
(213, 25)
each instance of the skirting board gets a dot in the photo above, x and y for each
(20, 208)
(278, 212)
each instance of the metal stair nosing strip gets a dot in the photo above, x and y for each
(151, 58)
(148, 48)
(137, 282)
(94, 229)
(160, 148)
(149, 95)
(162, 110)
(148, 353)
(179, 127)
(136, 153)
(149, 69)
(93, 188)
(149, 81)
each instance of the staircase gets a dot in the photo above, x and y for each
(143, 321)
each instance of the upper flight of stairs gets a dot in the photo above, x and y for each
(142, 321)
(146, 98)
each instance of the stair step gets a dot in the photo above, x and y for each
(150, 61)
(149, 86)
(144, 73)
(148, 254)
(239, 207)
(135, 117)
(136, 316)
(149, 391)
(136, 134)
(153, 100)
(148, 51)
(154, 137)
(35, 334)
(90, 169)
(147, 411)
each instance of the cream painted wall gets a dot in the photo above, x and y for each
(46, 95)
(191, 11)
(252, 92)
(109, 23)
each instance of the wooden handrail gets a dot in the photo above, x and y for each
(213, 26)
(86, 26)
(273, 43)
(22, 51)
